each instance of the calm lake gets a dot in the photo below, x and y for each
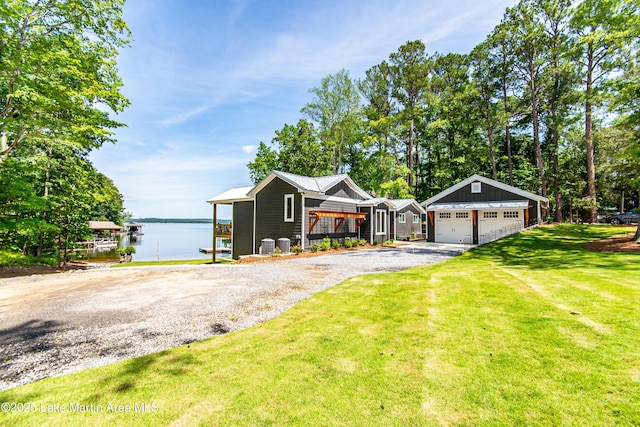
(165, 241)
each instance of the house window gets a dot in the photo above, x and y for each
(444, 215)
(510, 214)
(416, 219)
(401, 218)
(381, 222)
(476, 187)
(487, 215)
(462, 215)
(288, 208)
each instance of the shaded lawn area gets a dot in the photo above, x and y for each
(487, 338)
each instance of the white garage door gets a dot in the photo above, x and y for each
(454, 227)
(495, 220)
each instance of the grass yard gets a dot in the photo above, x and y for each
(171, 262)
(487, 338)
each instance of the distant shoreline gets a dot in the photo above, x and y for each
(180, 220)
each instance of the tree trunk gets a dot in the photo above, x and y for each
(506, 129)
(536, 138)
(588, 133)
(410, 153)
(492, 154)
(636, 237)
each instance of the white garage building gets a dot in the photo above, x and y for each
(478, 210)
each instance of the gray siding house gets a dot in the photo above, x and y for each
(305, 210)
(479, 209)
(408, 219)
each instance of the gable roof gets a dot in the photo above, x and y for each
(238, 194)
(308, 184)
(403, 203)
(488, 181)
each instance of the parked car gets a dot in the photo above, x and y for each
(624, 218)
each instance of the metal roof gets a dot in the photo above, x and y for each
(238, 194)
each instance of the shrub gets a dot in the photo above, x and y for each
(314, 247)
(130, 250)
(347, 242)
(335, 244)
(388, 243)
(276, 252)
(326, 244)
(413, 235)
(296, 249)
(375, 243)
(362, 242)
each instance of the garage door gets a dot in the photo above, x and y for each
(454, 227)
(494, 221)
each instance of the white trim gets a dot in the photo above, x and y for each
(476, 187)
(469, 206)
(255, 206)
(383, 223)
(288, 197)
(416, 219)
(303, 229)
(402, 218)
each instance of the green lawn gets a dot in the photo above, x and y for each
(171, 262)
(487, 338)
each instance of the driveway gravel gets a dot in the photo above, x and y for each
(57, 324)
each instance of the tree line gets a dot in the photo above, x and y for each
(58, 82)
(548, 102)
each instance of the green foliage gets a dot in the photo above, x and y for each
(326, 244)
(362, 242)
(276, 252)
(374, 243)
(315, 247)
(335, 244)
(347, 242)
(130, 250)
(296, 249)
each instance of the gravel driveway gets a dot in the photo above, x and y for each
(56, 324)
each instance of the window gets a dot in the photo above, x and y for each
(487, 215)
(416, 219)
(510, 214)
(444, 215)
(381, 222)
(476, 187)
(401, 218)
(462, 215)
(288, 208)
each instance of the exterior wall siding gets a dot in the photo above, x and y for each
(242, 242)
(325, 227)
(270, 214)
(343, 190)
(404, 231)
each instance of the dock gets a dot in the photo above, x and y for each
(218, 250)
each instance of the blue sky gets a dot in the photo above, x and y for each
(209, 79)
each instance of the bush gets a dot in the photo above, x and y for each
(413, 235)
(130, 250)
(296, 249)
(388, 243)
(314, 247)
(335, 244)
(326, 244)
(375, 243)
(276, 252)
(362, 242)
(347, 242)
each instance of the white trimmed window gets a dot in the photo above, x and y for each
(511, 214)
(476, 187)
(462, 215)
(416, 219)
(487, 215)
(401, 218)
(444, 215)
(289, 208)
(381, 222)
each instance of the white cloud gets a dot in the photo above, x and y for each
(249, 149)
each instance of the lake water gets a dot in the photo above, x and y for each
(166, 241)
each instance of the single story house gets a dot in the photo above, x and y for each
(478, 210)
(305, 210)
(408, 219)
